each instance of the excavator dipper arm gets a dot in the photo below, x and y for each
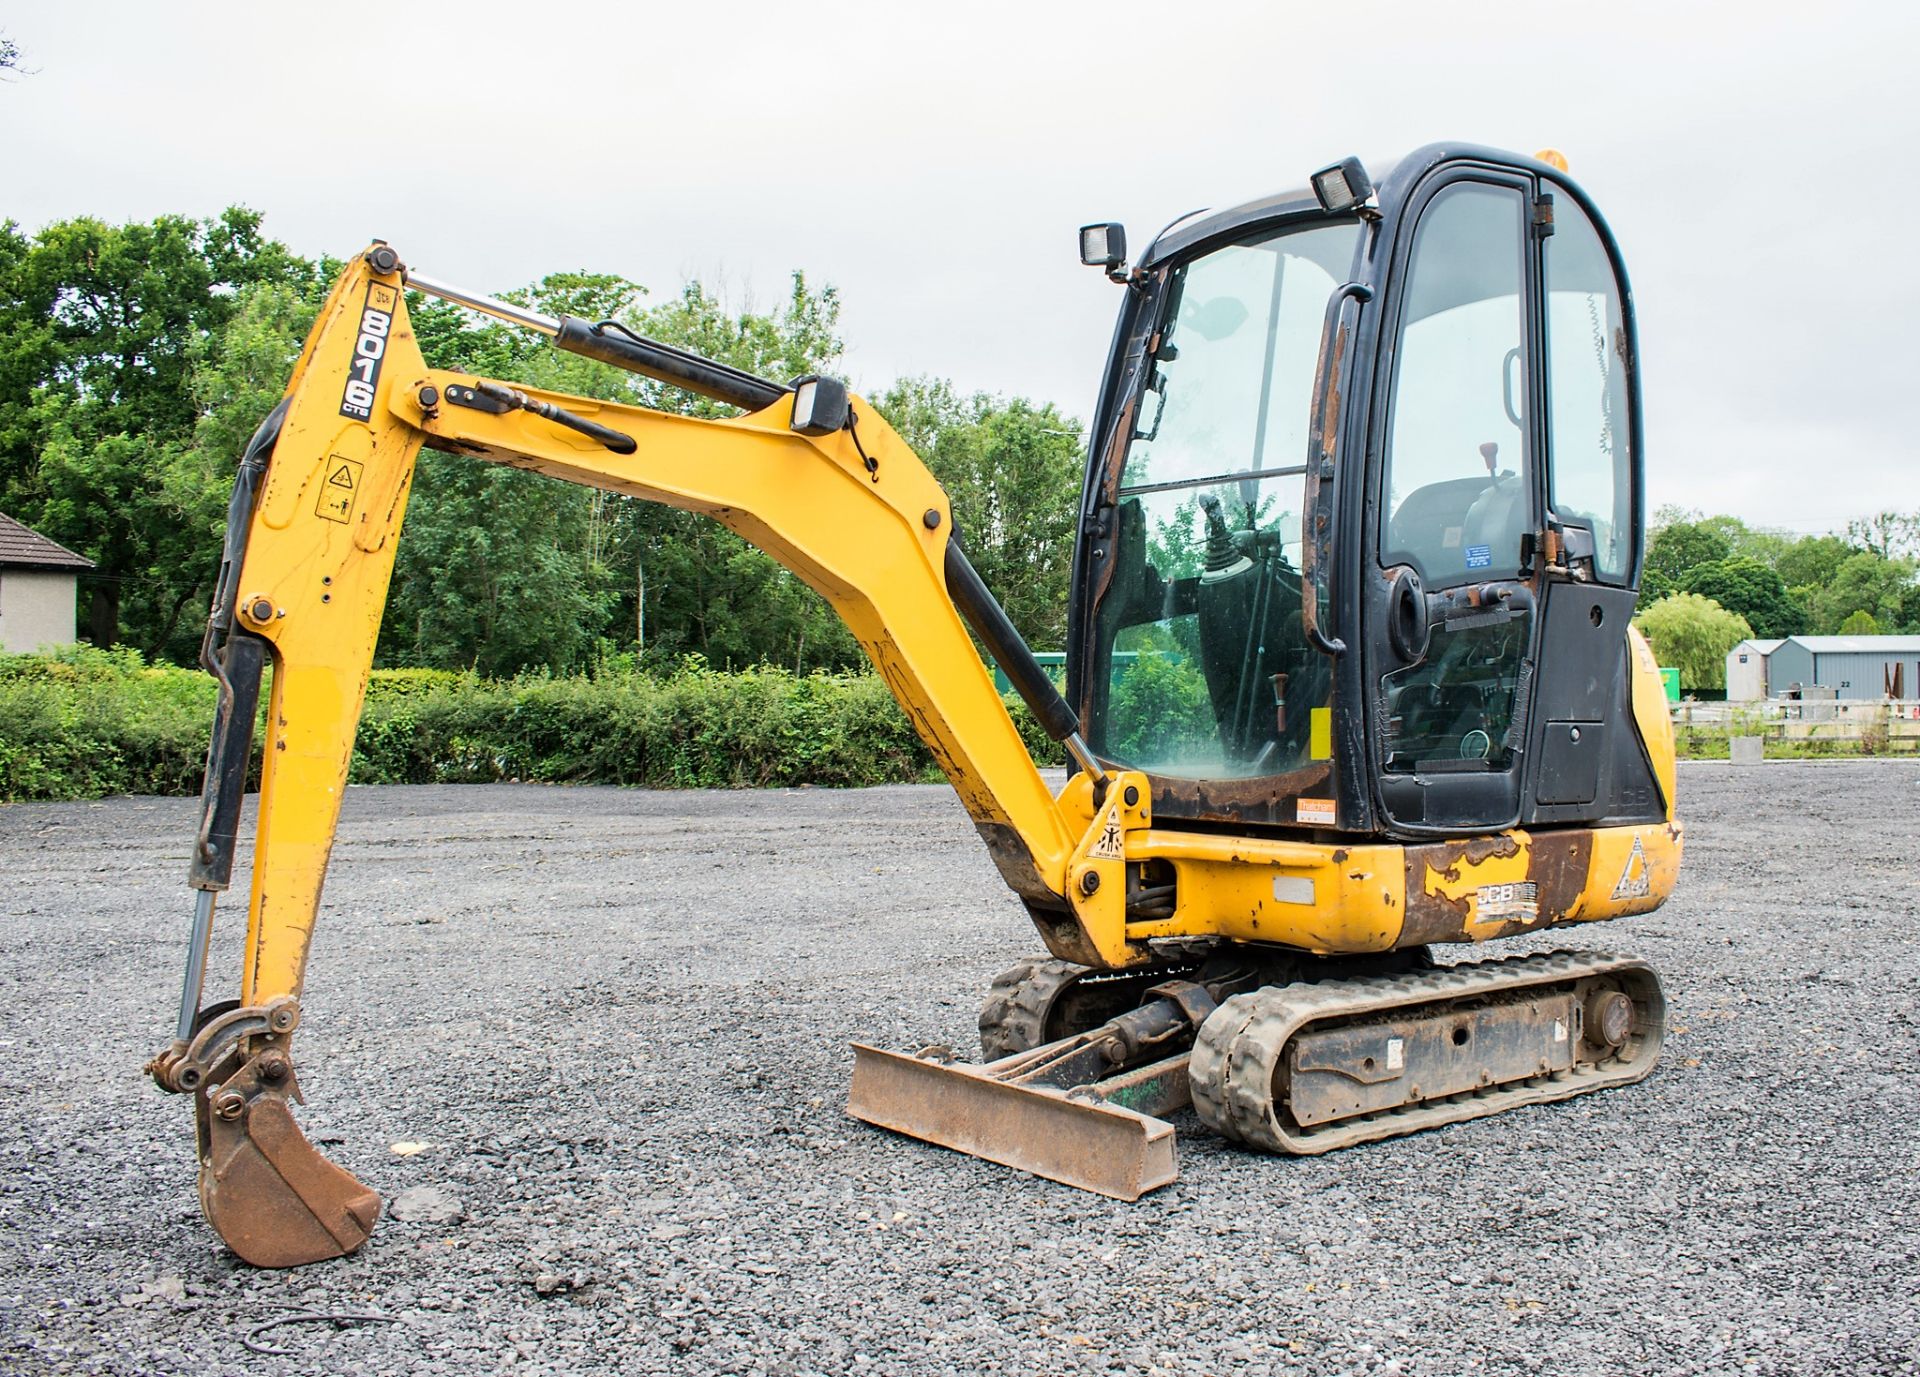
(315, 520)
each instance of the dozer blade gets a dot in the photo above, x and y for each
(267, 1191)
(1074, 1136)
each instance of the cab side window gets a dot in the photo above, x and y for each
(1589, 429)
(1458, 485)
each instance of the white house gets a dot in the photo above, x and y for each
(37, 581)
(1747, 670)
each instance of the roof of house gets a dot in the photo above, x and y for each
(21, 548)
(1764, 647)
(1859, 645)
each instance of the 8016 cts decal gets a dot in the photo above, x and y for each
(369, 352)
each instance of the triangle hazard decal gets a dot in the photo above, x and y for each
(1634, 881)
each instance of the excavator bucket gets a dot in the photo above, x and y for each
(267, 1191)
(1080, 1136)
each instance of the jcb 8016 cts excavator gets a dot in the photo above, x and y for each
(1349, 674)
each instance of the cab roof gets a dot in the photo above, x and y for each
(1205, 225)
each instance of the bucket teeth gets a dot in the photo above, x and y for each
(268, 1192)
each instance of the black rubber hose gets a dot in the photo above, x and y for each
(242, 660)
(237, 660)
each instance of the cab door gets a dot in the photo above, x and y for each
(1587, 762)
(1451, 623)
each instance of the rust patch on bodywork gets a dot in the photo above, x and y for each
(1267, 799)
(1014, 861)
(1486, 887)
(1560, 864)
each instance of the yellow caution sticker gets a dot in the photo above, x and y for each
(340, 489)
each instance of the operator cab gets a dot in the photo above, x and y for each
(1360, 532)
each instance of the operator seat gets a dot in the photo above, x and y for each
(1429, 528)
(1497, 518)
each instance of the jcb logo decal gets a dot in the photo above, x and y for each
(1505, 903)
(369, 351)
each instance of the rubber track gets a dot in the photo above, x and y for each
(1014, 1016)
(1242, 1045)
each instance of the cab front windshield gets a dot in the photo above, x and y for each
(1200, 666)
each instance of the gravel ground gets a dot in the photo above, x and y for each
(621, 1021)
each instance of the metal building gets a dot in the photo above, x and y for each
(1747, 670)
(37, 582)
(1856, 667)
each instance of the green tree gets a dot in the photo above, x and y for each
(236, 378)
(701, 589)
(1866, 582)
(1751, 589)
(1811, 561)
(1693, 634)
(495, 578)
(1160, 710)
(1175, 547)
(102, 331)
(1011, 468)
(1674, 549)
(1744, 541)
(1892, 535)
(1859, 623)
(500, 570)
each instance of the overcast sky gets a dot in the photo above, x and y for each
(933, 162)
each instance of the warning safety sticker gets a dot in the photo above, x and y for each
(1634, 880)
(340, 489)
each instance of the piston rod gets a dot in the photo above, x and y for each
(486, 305)
(613, 343)
(191, 988)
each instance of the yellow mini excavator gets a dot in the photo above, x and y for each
(1349, 674)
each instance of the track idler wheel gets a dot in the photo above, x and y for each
(267, 1191)
(1043, 999)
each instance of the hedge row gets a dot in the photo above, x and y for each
(88, 723)
(91, 723)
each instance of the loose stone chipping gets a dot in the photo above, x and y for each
(626, 1041)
